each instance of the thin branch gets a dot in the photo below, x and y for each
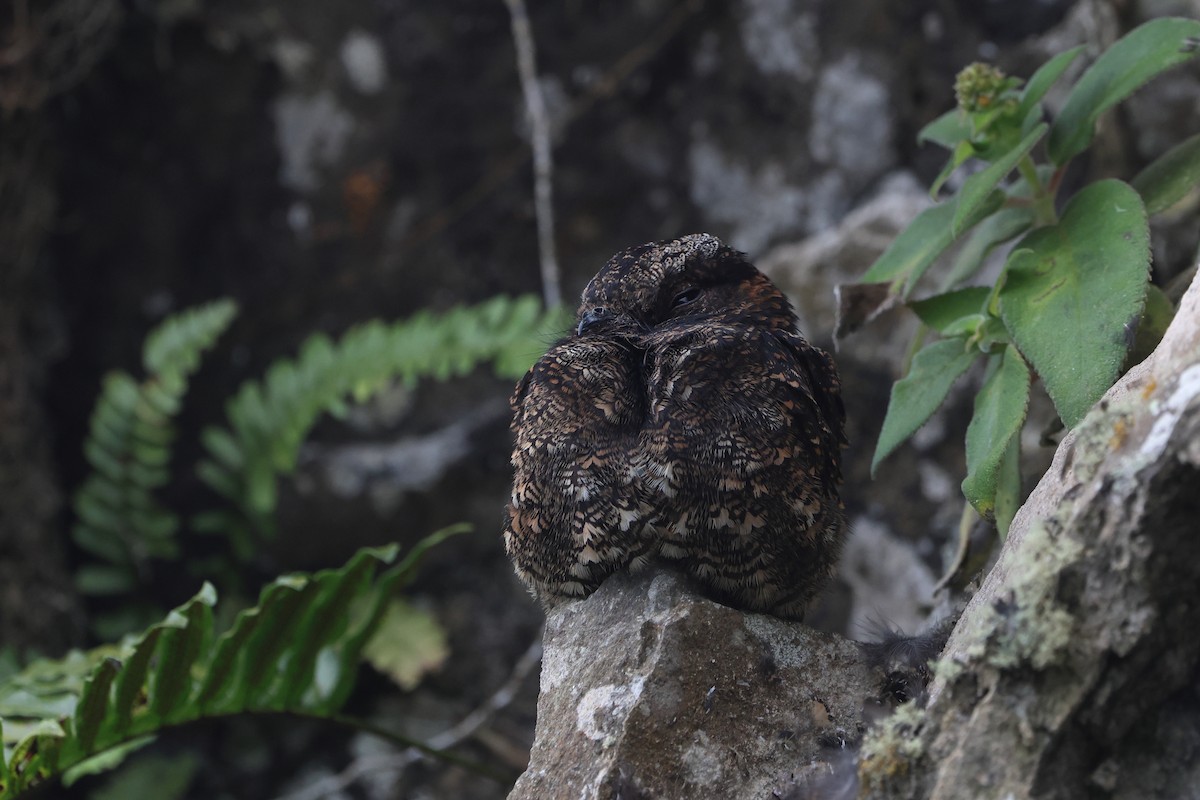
(610, 81)
(503, 696)
(543, 162)
(433, 748)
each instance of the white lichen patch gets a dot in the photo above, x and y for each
(1033, 628)
(557, 665)
(661, 594)
(784, 651)
(601, 712)
(757, 203)
(1095, 436)
(312, 132)
(702, 761)
(1168, 413)
(363, 59)
(890, 748)
(851, 129)
(780, 38)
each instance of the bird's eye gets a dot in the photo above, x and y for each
(686, 297)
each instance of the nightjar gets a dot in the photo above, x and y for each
(687, 421)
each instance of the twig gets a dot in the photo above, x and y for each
(610, 81)
(543, 163)
(434, 747)
(503, 696)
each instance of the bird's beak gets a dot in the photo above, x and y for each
(590, 318)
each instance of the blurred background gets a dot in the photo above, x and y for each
(324, 164)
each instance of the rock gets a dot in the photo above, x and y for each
(651, 691)
(890, 582)
(1066, 673)
(809, 270)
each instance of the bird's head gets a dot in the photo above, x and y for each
(692, 278)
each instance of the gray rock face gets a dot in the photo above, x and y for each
(650, 691)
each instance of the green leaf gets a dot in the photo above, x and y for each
(61, 715)
(1045, 77)
(406, 570)
(948, 130)
(926, 237)
(93, 705)
(99, 544)
(916, 396)
(1001, 226)
(961, 154)
(988, 334)
(120, 521)
(1073, 291)
(102, 579)
(270, 418)
(176, 344)
(1156, 317)
(158, 403)
(942, 311)
(980, 186)
(408, 644)
(1169, 177)
(1140, 55)
(158, 777)
(1008, 487)
(999, 411)
(173, 675)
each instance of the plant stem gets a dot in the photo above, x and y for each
(1043, 197)
(1029, 172)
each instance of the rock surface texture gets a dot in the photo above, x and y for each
(649, 690)
(1073, 671)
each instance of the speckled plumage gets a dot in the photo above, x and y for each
(687, 421)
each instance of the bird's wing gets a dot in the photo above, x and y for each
(822, 392)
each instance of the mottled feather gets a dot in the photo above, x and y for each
(685, 420)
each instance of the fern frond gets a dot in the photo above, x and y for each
(269, 419)
(297, 651)
(120, 522)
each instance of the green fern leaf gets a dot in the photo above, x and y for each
(129, 450)
(297, 651)
(268, 420)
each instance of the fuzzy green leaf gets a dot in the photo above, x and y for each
(1045, 77)
(1140, 55)
(948, 130)
(999, 412)
(1082, 281)
(1169, 177)
(1000, 227)
(926, 237)
(1157, 314)
(916, 396)
(1008, 486)
(943, 311)
(980, 186)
